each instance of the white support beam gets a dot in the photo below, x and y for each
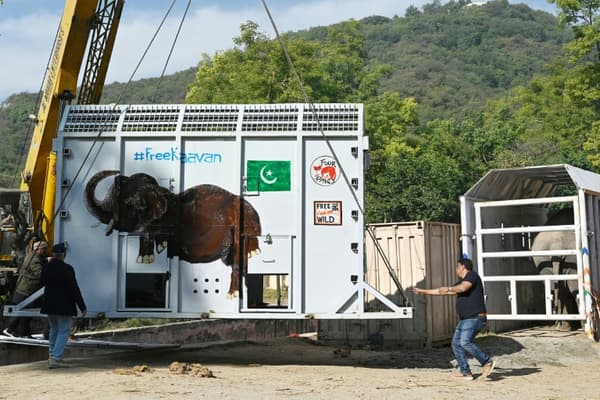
(511, 254)
(522, 202)
(526, 229)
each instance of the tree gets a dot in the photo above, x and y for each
(582, 16)
(583, 52)
(411, 11)
(256, 70)
(432, 8)
(389, 123)
(494, 130)
(416, 173)
(417, 184)
(15, 124)
(592, 145)
(554, 118)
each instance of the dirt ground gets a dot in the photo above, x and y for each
(534, 364)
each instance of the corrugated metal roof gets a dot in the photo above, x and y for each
(532, 182)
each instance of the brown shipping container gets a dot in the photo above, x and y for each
(422, 254)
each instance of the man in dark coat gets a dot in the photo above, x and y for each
(61, 299)
(27, 283)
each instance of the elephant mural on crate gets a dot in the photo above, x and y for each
(564, 293)
(199, 225)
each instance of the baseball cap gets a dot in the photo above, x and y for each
(59, 248)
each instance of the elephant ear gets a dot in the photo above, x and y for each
(156, 203)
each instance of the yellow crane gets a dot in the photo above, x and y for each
(85, 25)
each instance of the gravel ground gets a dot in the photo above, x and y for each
(532, 364)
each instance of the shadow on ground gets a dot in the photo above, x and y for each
(502, 373)
(296, 351)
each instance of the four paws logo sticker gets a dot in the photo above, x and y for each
(324, 171)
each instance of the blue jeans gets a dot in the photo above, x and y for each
(60, 329)
(462, 343)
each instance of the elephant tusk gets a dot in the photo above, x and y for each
(109, 227)
(161, 246)
(254, 253)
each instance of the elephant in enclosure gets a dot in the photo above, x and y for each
(565, 292)
(199, 225)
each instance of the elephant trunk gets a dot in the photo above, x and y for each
(102, 210)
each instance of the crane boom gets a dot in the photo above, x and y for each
(61, 81)
(33, 204)
(100, 50)
(82, 22)
(80, 18)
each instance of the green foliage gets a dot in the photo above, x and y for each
(14, 125)
(580, 76)
(389, 123)
(492, 131)
(583, 52)
(592, 145)
(452, 58)
(411, 11)
(541, 123)
(414, 185)
(423, 181)
(257, 71)
(170, 90)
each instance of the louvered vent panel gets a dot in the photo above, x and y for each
(210, 118)
(86, 119)
(151, 119)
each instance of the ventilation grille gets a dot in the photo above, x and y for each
(220, 118)
(151, 119)
(226, 118)
(92, 119)
(332, 117)
(271, 118)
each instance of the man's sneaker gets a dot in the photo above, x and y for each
(8, 333)
(464, 377)
(488, 368)
(52, 364)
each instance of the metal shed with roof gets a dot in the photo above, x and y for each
(503, 215)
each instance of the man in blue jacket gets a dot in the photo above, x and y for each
(61, 299)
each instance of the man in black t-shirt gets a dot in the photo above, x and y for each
(470, 305)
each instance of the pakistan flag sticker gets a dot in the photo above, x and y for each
(268, 176)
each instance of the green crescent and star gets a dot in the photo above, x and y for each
(268, 175)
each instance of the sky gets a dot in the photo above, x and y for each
(27, 29)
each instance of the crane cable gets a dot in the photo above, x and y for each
(142, 57)
(327, 141)
(162, 74)
(114, 106)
